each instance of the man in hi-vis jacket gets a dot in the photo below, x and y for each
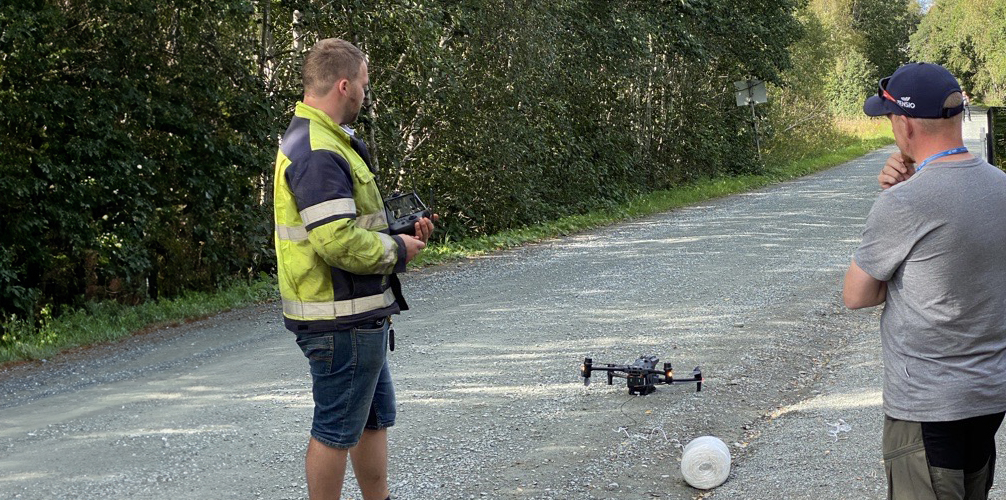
(336, 268)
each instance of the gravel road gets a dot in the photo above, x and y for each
(486, 370)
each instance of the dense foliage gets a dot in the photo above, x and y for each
(139, 135)
(133, 150)
(497, 106)
(998, 136)
(870, 39)
(969, 38)
(798, 117)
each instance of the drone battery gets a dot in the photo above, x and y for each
(639, 384)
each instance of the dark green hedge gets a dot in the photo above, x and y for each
(998, 132)
(138, 137)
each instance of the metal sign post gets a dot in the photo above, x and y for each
(749, 93)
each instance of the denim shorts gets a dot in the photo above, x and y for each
(352, 383)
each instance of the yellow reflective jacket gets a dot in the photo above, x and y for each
(335, 257)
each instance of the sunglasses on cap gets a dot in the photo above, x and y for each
(884, 94)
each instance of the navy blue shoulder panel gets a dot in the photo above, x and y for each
(317, 177)
(297, 139)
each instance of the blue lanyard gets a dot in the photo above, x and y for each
(941, 154)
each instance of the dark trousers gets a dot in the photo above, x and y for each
(940, 460)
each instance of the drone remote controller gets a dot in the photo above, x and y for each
(404, 210)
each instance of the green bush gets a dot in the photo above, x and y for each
(853, 80)
(136, 144)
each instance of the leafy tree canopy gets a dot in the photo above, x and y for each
(968, 37)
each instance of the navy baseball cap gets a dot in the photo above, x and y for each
(916, 90)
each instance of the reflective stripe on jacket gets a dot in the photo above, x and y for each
(336, 260)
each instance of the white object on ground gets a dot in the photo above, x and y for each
(705, 463)
(838, 427)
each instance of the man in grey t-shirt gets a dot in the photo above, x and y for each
(934, 248)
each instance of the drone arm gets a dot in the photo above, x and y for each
(612, 370)
(667, 377)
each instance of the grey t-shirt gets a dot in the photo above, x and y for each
(939, 240)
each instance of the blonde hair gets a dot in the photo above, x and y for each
(329, 61)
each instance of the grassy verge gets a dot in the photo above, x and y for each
(110, 321)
